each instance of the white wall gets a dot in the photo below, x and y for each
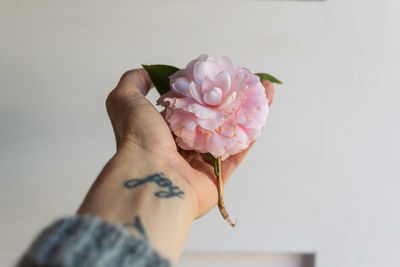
(324, 176)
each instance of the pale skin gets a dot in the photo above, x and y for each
(145, 146)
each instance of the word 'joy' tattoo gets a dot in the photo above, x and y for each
(159, 178)
(137, 224)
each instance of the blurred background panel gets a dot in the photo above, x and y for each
(322, 179)
(240, 259)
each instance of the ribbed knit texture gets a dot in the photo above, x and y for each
(88, 241)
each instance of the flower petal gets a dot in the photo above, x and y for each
(201, 111)
(213, 97)
(228, 101)
(204, 69)
(216, 145)
(181, 86)
(183, 102)
(190, 124)
(223, 81)
(223, 63)
(207, 85)
(162, 100)
(252, 79)
(195, 92)
(209, 124)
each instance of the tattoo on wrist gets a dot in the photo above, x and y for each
(170, 191)
(137, 224)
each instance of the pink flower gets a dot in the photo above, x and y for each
(214, 106)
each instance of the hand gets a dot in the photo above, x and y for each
(138, 126)
(145, 147)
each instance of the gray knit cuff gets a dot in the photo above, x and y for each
(88, 241)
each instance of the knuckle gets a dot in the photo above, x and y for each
(127, 74)
(109, 98)
(114, 97)
(121, 95)
(127, 88)
(132, 74)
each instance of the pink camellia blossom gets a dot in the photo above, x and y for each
(215, 106)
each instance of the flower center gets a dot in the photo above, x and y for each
(213, 97)
(228, 101)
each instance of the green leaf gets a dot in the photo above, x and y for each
(159, 75)
(215, 161)
(269, 77)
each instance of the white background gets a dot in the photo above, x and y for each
(324, 176)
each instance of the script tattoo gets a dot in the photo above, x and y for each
(137, 224)
(159, 178)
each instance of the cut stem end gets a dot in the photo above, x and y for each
(221, 205)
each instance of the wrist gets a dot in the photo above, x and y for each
(136, 161)
(132, 190)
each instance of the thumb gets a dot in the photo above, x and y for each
(127, 104)
(135, 80)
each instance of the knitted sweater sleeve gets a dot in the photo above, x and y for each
(88, 241)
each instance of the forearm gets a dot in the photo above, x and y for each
(131, 190)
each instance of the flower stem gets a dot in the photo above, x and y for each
(221, 204)
(215, 162)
